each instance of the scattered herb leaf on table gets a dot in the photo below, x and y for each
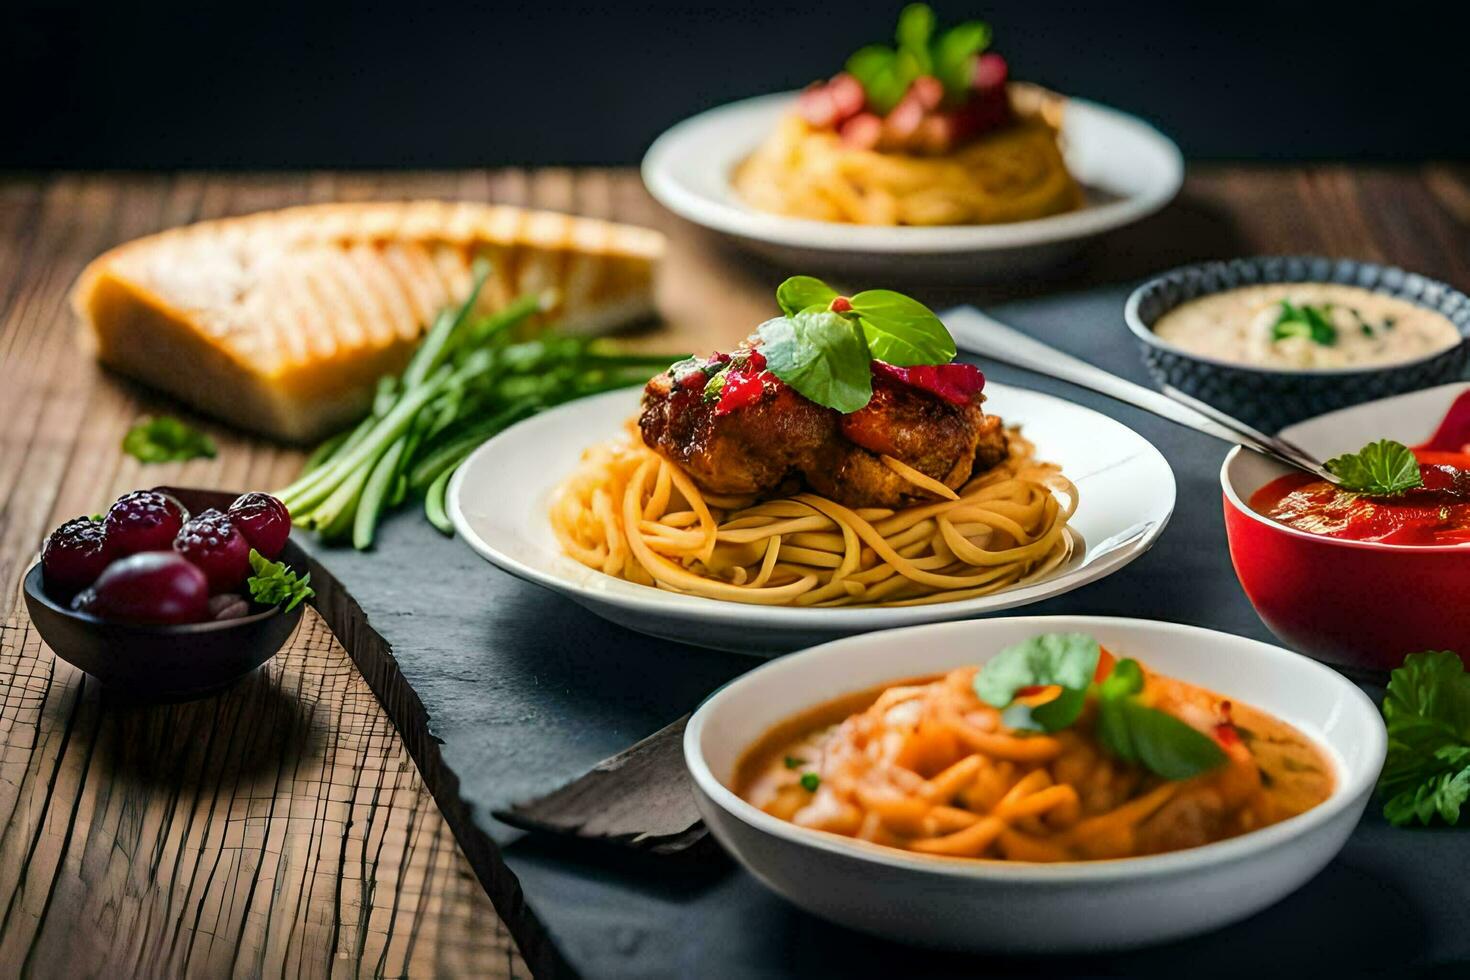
(1427, 711)
(165, 439)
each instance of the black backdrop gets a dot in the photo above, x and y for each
(175, 84)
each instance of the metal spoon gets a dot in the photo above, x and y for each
(977, 333)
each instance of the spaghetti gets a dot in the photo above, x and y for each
(930, 768)
(1012, 174)
(632, 513)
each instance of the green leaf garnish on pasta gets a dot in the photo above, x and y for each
(1128, 729)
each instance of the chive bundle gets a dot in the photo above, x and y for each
(467, 380)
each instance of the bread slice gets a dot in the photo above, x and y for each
(281, 322)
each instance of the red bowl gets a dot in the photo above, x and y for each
(1356, 604)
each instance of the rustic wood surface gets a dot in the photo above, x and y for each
(282, 827)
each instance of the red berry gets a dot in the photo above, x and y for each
(153, 587)
(144, 520)
(991, 72)
(75, 554)
(217, 547)
(263, 520)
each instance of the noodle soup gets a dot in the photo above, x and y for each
(925, 765)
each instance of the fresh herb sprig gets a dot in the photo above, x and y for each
(886, 73)
(1126, 727)
(467, 380)
(825, 344)
(1427, 711)
(1380, 469)
(165, 439)
(1312, 322)
(274, 583)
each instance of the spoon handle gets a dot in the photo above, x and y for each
(979, 334)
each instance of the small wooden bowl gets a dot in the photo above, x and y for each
(165, 663)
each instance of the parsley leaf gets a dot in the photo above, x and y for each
(810, 781)
(1066, 660)
(1427, 711)
(822, 355)
(165, 439)
(1311, 322)
(1383, 469)
(274, 583)
(792, 762)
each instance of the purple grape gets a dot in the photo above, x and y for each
(154, 587)
(263, 520)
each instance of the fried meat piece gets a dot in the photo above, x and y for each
(776, 439)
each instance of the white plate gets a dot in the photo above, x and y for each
(498, 502)
(1000, 906)
(1134, 167)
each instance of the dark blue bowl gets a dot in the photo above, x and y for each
(1272, 398)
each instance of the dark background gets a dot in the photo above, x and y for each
(203, 84)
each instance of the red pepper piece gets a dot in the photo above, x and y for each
(956, 382)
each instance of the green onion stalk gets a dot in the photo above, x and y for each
(467, 380)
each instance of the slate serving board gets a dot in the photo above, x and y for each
(504, 692)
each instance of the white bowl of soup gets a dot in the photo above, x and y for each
(1048, 841)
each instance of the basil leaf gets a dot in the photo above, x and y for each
(803, 292)
(1146, 736)
(822, 355)
(915, 28)
(888, 86)
(1124, 680)
(1155, 739)
(1384, 468)
(165, 440)
(1049, 716)
(902, 331)
(954, 57)
(1066, 659)
(869, 63)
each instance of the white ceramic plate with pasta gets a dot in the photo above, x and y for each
(499, 502)
(1128, 169)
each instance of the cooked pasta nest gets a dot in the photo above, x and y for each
(629, 512)
(1013, 174)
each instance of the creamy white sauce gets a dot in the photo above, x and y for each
(1366, 328)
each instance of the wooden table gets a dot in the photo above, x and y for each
(283, 827)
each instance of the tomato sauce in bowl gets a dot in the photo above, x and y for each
(1435, 513)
